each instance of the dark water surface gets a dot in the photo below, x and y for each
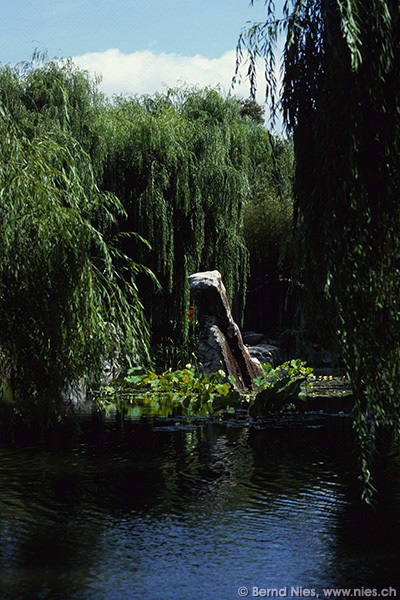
(166, 511)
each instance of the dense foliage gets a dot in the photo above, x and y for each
(268, 213)
(182, 163)
(78, 175)
(189, 392)
(340, 98)
(68, 299)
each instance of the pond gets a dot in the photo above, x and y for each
(179, 510)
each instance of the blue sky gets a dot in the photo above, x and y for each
(137, 46)
(76, 27)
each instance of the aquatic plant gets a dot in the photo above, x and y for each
(281, 388)
(193, 393)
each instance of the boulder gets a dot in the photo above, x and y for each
(266, 353)
(220, 342)
(251, 338)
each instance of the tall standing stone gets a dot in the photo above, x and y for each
(220, 345)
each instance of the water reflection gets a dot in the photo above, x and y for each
(188, 511)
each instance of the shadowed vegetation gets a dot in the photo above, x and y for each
(340, 99)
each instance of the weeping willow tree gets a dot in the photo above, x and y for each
(68, 295)
(181, 163)
(43, 94)
(341, 98)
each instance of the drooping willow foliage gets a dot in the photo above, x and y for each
(341, 98)
(79, 173)
(68, 297)
(182, 162)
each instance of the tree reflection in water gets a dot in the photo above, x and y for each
(190, 510)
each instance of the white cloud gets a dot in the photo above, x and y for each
(145, 72)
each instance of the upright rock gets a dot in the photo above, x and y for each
(220, 345)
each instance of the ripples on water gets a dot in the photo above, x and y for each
(187, 512)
